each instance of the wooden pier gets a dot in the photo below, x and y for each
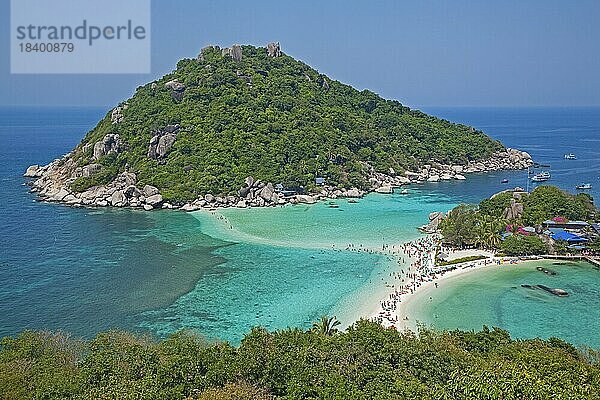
(592, 260)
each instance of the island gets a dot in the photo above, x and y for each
(249, 126)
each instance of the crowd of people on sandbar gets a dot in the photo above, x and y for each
(421, 253)
(222, 218)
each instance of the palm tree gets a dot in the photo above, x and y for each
(490, 228)
(326, 325)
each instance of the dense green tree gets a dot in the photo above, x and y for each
(367, 361)
(516, 245)
(276, 119)
(546, 202)
(326, 325)
(459, 226)
(482, 225)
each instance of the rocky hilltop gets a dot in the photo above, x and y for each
(246, 126)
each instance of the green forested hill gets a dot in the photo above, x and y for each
(272, 117)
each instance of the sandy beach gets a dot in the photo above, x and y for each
(408, 287)
(405, 311)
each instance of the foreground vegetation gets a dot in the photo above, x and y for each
(482, 225)
(365, 362)
(274, 118)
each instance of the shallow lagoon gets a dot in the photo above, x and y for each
(493, 296)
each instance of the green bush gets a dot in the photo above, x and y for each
(517, 245)
(460, 260)
(367, 361)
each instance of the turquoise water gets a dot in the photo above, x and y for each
(84, 271)
(494, 297)
(289, 265)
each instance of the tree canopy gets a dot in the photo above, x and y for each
(367, 361)
(274, 118)
(482, 225)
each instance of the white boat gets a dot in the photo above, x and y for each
(538, 178)
(541, 177)
(584, 186)
(570, 156)
(404, 191)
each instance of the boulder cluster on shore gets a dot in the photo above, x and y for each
(52, 183)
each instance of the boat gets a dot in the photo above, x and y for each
(504, 181)
(570, 156)
(541, 177)
(404, 191)
(352, 201)
(333, 206)
(538, 165)
(584, 186)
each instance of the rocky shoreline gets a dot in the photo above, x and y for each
(51, 183)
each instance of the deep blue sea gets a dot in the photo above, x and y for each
(87, 270)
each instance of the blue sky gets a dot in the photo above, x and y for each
(423, 53)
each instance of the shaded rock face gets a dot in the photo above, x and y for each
(154, 200)
(353, 193)
(90, 170)
(267, 192)
(177, 89)
(258, 193)
(205, 50)
(386, 189)
(162, 140)
(435, 218)
(118, 198)
(116, 116)
(175, 85)
(86, 171)
(149, 190)
(124, 180)
(111, 143)
(33, 171)
(514, 211)
(273, 49)
(234, 52)
(305, 199)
